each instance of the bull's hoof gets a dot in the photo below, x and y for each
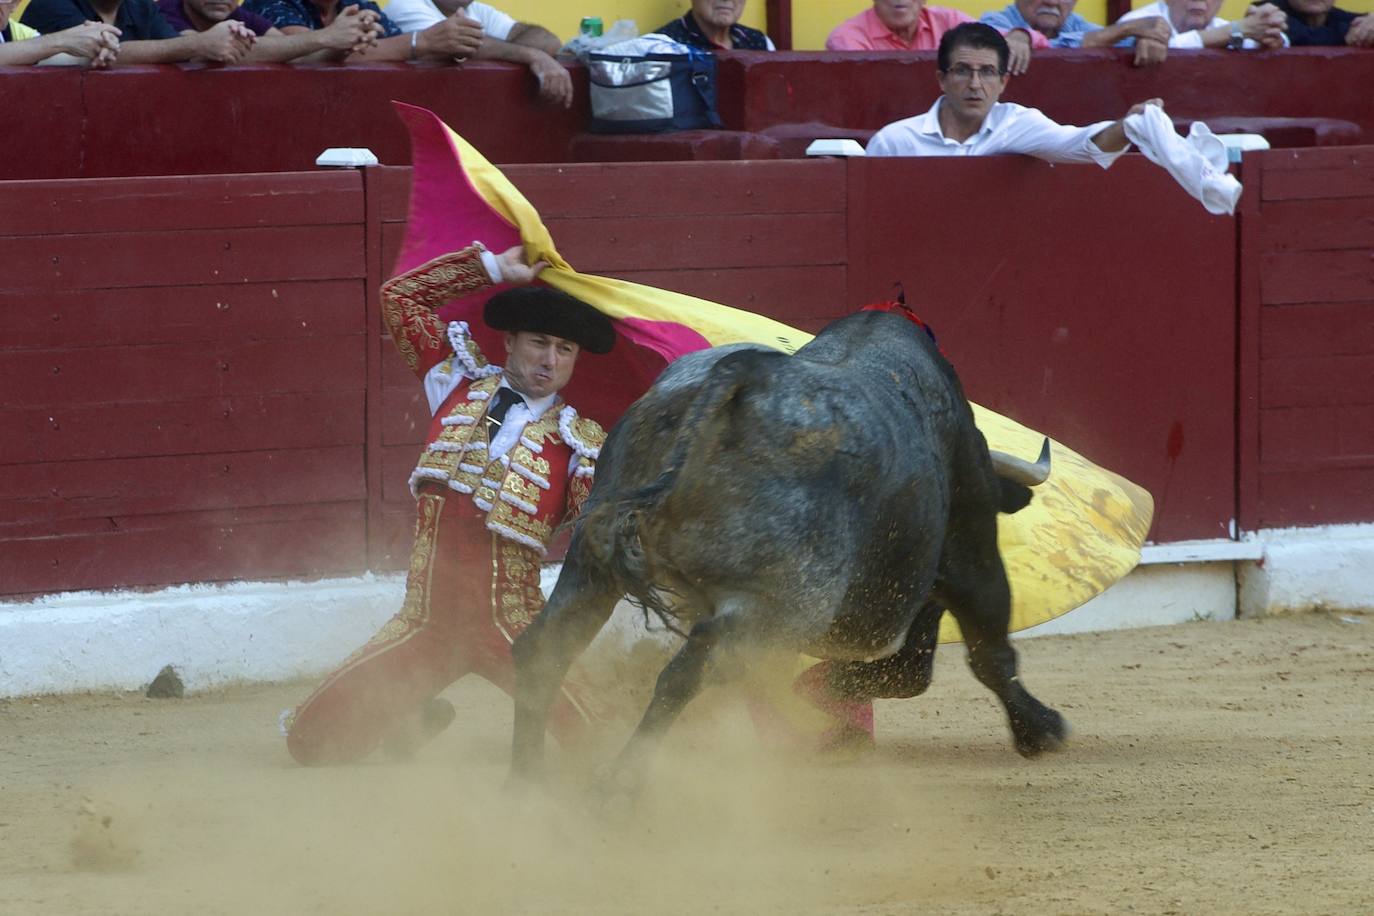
(615, 793)
(1049, 732)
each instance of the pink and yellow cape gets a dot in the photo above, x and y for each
(1082, 532)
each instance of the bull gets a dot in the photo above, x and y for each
(830, 503)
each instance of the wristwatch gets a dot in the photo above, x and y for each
(1237, 39)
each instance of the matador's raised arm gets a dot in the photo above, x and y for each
(409, 301)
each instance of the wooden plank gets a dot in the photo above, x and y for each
(397, 535)
(669, 242)
(1316, 497)
(1317, 381)
(389, 187)
(394, 371)
(57, 491)
(118, 205)
(1281, 161)
(1298, 434)
(1317, 225)
(393, 235)
(1309, 184)
(779, 23)
(1250, 318)
(798, 291)
(1317, 276)
(397, 463)
(629, 189)
(374, 530)
(1356, 427)
(236, 367)
(182, 427)
(1345, 328)
(651, 189)
(194, 256)
(326, 541)
(789, 294)
(149, 315)
(405, 415)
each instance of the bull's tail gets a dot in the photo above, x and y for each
(615, 528)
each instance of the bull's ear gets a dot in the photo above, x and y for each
(1012, 496)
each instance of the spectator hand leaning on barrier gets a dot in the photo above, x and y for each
(226, 42)
(1154, 28)
(1361, 34)
(1019, 42)
(353, 31)
(555, 85)
(1264, 23)
(1149, 52)
(96, 41)
(457, 37)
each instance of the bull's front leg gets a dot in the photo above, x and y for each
(581, 603)
(710, 644)
(976, 591)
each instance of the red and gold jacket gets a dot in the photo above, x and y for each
(545, 477)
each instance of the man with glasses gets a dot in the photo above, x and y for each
(967, 119)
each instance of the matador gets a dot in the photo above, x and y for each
(506, 461)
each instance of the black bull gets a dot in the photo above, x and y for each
(826, 503)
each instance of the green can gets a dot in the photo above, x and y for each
(591, 25)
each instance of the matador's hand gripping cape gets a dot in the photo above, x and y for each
(1081, 533)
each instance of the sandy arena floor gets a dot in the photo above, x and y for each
(1215, 768)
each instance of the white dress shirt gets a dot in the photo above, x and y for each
(522, 413)
(416, 15)
(1177, 39)
(1008, 128)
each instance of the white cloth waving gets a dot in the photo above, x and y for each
(1198, 163)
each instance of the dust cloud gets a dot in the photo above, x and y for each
(1214, 768)
(725, 824)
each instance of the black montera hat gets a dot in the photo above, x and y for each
(550, 311)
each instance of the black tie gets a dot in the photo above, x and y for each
(505, 397)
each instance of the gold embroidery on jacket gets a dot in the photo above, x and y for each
(409, 300)
(449, 449)
(414, 612)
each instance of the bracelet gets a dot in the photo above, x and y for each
(414, 40)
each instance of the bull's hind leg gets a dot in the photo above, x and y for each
(973, 584)
(579, 607)
(907, 673)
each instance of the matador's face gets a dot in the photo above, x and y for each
(537, 365)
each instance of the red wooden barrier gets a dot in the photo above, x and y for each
(182, 368)
(195, 120)
(1098, 307)
(1307, 369)
(197, 385)
(866, 90)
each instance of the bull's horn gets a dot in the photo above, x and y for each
(1022, 471)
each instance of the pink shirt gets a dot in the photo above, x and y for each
(866, 32)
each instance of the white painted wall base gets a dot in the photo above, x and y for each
(266, 631)
(1306, 569)
(1153, 596)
